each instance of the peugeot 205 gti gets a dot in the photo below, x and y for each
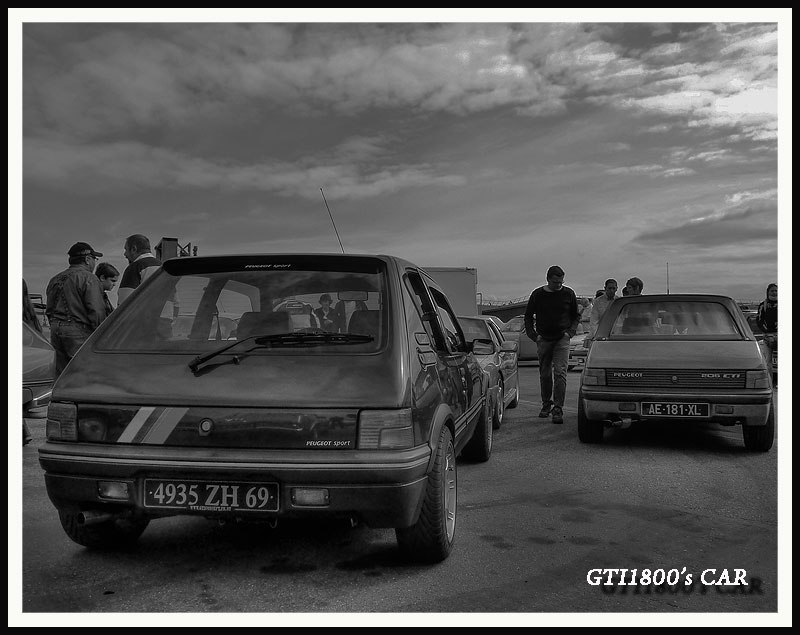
(684, 358)
(170, 409)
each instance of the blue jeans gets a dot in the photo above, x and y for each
(553, 358)
(67, 338)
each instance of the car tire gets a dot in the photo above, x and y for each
(499, 408)
(479, 447)
(431, 538)
(117, 533)
(588, 431)
(760, 438)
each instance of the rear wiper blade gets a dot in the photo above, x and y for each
(201, 359)
(312, 338)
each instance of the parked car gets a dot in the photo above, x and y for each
(38, 372)
(514, 330)
(752, 321)
(500, 364)
(497, 321)
(680, 357)
(38, 375)
(282, 421)
(578, 348)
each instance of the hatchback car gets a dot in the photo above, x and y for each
(277, 419)
(38, 372)
(682, 357)
(501, 364)
(578, 346)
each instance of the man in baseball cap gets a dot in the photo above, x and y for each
(79, 250)
(75, 303)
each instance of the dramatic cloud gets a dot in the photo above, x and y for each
(754, 221)
(507, 146)
(90, 82)
(135, 166)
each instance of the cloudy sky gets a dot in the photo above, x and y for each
(613, 149)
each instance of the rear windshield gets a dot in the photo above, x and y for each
(199, 310)
(678, 319)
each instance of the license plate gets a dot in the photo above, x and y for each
(671, 409)
(202, 496)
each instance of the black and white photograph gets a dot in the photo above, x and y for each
(399, 317)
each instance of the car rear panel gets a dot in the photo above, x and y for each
(712, 373)
(264, 401)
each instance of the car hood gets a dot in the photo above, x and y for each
(256, 381)
(38, 365)
(688, 354)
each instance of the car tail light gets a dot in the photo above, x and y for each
(385, 429)
(757, 379)
(594, 377)
(62, 422)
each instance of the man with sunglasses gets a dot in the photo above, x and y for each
(75, 303)
(555, 308)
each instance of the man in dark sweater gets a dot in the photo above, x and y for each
(555, 308)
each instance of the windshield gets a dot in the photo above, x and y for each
(200, 309)
(677, 319)
(474, 329)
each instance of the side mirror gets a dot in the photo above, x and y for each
(482, 347)
(509, 346)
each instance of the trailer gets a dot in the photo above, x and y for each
(460, 285)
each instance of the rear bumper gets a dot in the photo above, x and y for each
(381, 489)
(724, 408)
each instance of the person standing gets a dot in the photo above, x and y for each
(600, 305)
(28, 311)
(767, 321)
(108, 275)
(142, 264)
(555, 308)
(634, 286)
(75, 306)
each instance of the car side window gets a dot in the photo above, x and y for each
(495, 330)
(426, 309)
(455, 337)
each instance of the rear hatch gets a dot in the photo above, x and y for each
(270, 402)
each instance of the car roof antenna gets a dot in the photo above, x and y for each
(334, 224)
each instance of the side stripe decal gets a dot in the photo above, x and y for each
(164, 426)
(135, 425)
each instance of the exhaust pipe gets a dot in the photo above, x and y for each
(90, 517)
(620, 422)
